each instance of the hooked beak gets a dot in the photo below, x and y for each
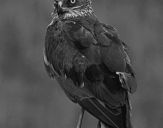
(59, 7)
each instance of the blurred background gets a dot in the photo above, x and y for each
(29, 99)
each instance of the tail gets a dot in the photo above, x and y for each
(110, 117)
(124, 122)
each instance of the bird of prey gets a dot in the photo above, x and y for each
(90, 63)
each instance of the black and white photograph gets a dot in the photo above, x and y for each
(81, 64)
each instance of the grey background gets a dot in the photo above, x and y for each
(29, 99)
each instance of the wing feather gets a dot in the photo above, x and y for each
(116, 57)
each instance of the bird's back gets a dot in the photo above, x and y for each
(86, 60)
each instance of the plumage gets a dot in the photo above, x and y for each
(90, 62)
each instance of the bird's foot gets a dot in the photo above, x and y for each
(79, 124)
(99, 124)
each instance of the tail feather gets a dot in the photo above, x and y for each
(125, 122)
(106, 114)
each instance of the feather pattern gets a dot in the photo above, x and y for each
(93, 67)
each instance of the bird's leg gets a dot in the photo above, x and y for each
(103, 125)
(99, 124)
(79, 124)
(81, 80)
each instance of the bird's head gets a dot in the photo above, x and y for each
(72, 9)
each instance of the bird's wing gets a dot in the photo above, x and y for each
(112, 92)
(101, 112)
(49, 46)
(83, 96)
(114, 55)
(104, 46)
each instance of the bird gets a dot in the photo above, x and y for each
(90, 62)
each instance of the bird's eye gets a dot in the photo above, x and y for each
(73, 1)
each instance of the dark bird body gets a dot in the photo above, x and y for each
(92, 66)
